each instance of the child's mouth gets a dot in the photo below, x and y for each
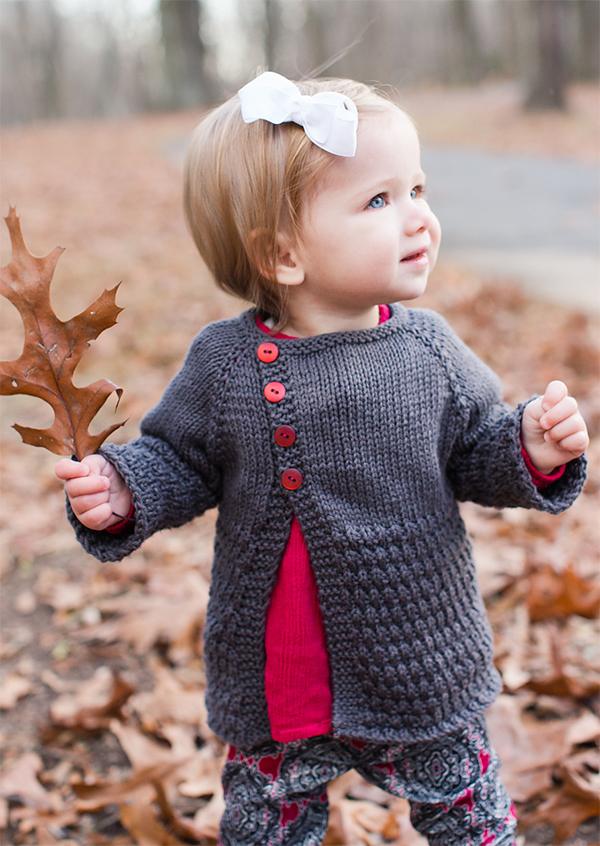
(415, 256)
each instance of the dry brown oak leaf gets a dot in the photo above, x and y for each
(52, 350)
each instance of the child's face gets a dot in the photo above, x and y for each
(368, 235)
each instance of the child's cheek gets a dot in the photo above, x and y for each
(436, 238)
(436, 231)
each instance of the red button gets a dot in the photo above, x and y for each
(291, 479)
(268, 352)
(274, 391)
(284, 436)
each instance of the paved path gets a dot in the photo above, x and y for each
(533, 218)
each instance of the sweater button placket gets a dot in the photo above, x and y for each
(284, 435)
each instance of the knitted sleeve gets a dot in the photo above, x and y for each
(171, 470)
(484, 463)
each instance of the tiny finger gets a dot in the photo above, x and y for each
(95, 463)
(576, 443)
(86, 504)
(67, 469)
(564, 429)
(96, 518)
(564, 408)
(555, 391)
(85, 485)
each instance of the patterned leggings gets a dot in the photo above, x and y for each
(275, 793)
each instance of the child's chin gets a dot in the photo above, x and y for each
(411, 292)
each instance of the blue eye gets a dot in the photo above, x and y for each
(378, 202)
(417, 192)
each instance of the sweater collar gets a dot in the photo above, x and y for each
(300, 346)
(384, 314)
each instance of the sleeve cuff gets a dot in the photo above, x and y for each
(125, 526)
(540, 480)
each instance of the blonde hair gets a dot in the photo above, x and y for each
(245, 182)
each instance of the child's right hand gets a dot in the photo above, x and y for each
(98, 494)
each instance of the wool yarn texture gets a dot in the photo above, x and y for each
(394, 425)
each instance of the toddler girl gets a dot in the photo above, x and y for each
(336, 430)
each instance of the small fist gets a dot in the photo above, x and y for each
(553, 431)
(98, 494)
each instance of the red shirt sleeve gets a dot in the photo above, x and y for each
(125, 525)
(540, 480)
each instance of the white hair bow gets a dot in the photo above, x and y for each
(329, 119)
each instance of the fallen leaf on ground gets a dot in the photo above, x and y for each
(564, 680)
(19, 779)
(529, 748)
(56, 589)
(30, 819)
(361, 813)
(143, 752)
(575, 801)
(93, 797)
(26, 603)
(46, 838)
(147, 618)
(208, 819)
(171, 701)
(178, 824)
(94, 704)
(13, 688)
(190, 763)
(553, 594)
(141, 820)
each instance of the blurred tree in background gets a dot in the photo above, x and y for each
(83, 58)
(185, 68)
(546, 72)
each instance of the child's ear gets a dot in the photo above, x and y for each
(289, 269)
(286, 266)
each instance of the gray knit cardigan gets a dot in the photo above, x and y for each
(393, 425)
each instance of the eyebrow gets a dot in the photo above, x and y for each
(375, 188)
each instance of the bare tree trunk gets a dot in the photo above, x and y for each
(272, 32)
(39, 56)
(185, 54)
(52, 105)
(546, 72)
(318, 28)
(467, 62)
(587, 60)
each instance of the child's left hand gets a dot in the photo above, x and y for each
(552, 430)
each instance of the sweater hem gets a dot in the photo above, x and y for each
(288, 735)
(359, 731)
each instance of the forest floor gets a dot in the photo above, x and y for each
(103, 722)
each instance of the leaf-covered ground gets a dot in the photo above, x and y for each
(103, 724)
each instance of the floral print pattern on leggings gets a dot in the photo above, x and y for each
(276, 793)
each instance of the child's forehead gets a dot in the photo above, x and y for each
(386, 139)
(389, 120)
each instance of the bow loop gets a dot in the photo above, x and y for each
(329, 119)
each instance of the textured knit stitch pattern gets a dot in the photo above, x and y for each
(394, 425)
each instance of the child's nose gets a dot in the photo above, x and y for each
(420, 219)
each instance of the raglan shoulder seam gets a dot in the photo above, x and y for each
(229, 332)
(419, 320)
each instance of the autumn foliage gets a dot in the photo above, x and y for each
(52, 351)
